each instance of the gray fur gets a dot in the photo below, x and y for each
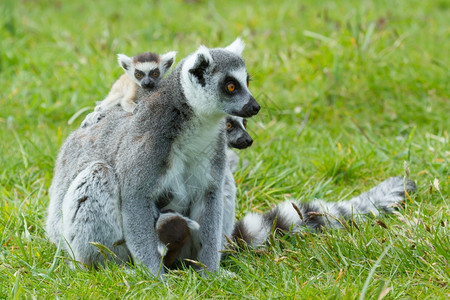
(254, 229)
(171, 150)
(237, 137)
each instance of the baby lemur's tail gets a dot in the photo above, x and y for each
(254, 229)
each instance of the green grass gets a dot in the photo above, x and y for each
(350, 90)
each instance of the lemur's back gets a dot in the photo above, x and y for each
(117, 140)
(119, 132)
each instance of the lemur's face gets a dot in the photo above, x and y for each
(147, 69)
(147, 74)
(237, 135)
(217, 81)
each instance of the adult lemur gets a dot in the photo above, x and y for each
(112, 178)
(175, 230)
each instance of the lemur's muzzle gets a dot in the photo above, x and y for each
(148, 84)
(251, 108)
(243, 142)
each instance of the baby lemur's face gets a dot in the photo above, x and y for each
(147, 69)
(237, 134)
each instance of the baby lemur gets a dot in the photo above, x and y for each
(143, 70)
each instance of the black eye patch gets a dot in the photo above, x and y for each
(231, 85)
(139, 74)
(154, 73)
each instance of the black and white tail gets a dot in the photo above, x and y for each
(254, 229)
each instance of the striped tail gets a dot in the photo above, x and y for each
(254, 229)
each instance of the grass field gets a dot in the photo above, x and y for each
(350, 91)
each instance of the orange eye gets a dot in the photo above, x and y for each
(229, 125)
(245, 123)
(231, 87)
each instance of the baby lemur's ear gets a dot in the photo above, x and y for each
(236, 47)
(167, 61)
(124, 61)
(203, 62)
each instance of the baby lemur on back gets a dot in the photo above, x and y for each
(144, 70)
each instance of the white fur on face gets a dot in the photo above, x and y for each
(203, 100)
(146, 66)
(241, 76)
(240, 121)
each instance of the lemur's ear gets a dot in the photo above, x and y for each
(236, 47)
(167, 61)
(202, 63)
(124, 61)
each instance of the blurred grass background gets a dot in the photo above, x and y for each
(350, 91)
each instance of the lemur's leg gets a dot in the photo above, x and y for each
(114, 97)
(229, 206)
(254, 228)
(127, 102)
(209, 218)
(91, 213)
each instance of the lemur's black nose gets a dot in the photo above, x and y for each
(243, 142)
(251, 108)
(249, 142)
(148, 85)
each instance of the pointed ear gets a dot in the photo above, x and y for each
(236, 47)
(167, 60)
(124, 62)
(202, 62)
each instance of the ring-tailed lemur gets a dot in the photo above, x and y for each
(254, 229)
(113, 178)
(144, 70)
(174, 229)
(237, 135)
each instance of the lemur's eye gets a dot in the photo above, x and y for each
(155, 73)
(138, 74)
(244, 122)
(229, 125)
(231, 86)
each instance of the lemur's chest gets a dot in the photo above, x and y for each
(190, 172)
